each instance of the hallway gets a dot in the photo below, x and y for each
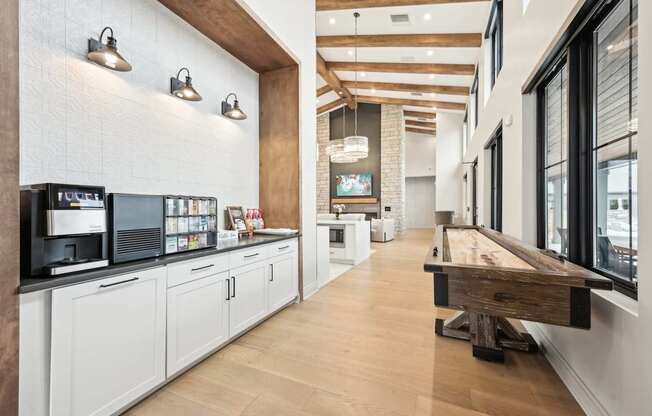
(364, 345)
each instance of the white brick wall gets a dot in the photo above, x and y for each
(81, 123)
(323, 165)
(392, 164)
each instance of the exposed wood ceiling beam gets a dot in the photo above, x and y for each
(330, 106)
(413, 123)
(331, 79)
(439, 105)
(404, 68)
(419, 114)
(363, 4)
(434, 40)
(324, 90)
(391, 86)
(421, 131)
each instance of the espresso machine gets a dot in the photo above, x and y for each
(63, 229)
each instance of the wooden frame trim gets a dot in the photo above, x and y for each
(10, 220)
(414, 103)
(433, 40)
(403, 68)
(323, 5)
(391, 86)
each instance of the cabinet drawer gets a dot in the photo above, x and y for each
(248, 256)
(283, 247)
(187, 271)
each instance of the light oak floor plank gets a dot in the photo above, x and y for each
(364, 345)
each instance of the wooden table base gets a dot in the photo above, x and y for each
(488, 334)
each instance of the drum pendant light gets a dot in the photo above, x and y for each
(356, 146)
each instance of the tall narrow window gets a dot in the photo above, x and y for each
(474, 100)
(615, 142)
(494, 34)
(555, 107)
(465, 133)
(495, 147)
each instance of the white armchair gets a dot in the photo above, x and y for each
(382, 230)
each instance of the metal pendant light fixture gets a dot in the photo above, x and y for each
(184, 90)
(232, 111)
(350, 149)
(107, 54)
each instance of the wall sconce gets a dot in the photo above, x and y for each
(107, 55)
(232, 111)
(184, 90)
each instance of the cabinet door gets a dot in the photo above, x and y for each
(282, 282)
(197, 320)
(108, 343)
(248, 303)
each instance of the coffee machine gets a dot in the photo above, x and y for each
(63, 229)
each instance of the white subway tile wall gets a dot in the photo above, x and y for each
(84, 124)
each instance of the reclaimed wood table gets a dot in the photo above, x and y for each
(488, 277)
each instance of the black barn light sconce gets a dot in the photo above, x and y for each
(232, 111)
(107, 54)
(184, 90)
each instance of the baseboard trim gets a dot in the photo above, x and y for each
(310, 290)
(580, 391)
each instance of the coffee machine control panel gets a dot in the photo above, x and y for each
(75, 209)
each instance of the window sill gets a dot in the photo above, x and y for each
(619, 300)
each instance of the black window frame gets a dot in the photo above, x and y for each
(494, 34)
(476, 98)
(495, 148)
(576, 49)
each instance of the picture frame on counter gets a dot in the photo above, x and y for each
(236, 219)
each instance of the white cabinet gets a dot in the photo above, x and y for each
(282, 281)
(248, 296)
(108, 343)
(198, 320)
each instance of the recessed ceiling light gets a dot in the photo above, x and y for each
(332, 21)
(350, 52)
(432, 94)
(427, 16)
(373, 90)
(430, 52)
(431, 76)
(363, 74)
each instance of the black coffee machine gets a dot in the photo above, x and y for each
(63, 229)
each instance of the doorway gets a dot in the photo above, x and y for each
(420, 202)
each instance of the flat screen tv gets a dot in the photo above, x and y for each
(354, 184)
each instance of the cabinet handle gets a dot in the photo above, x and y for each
(119, 283)
(202, 268)
(283, 248)
(228, 289)
(251, 255)
(272, 278)
(233, 295)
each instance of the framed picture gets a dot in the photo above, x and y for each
(235, 219)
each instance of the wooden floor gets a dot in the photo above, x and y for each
(363, 346)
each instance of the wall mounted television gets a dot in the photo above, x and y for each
(358, 184)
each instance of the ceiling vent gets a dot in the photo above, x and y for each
(417, 94)
(407, 58)
(400, 19)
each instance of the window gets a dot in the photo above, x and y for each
(495, 147)
(465, 133)
(474, 100)
(494, 34)
(587, 143)
(554, 101)
(615, 141)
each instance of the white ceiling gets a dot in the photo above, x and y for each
(444, 18)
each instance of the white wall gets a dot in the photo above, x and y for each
(419, 155)
(81, 123)
(448, 167)
(292, 24)
(606, 368)
(420, 206)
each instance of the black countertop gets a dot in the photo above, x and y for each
(28, 285)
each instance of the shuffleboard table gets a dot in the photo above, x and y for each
(488, 277)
